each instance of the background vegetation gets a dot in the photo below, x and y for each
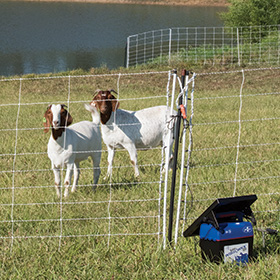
(252, 13)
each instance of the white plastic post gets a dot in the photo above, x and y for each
(167, 155)
(185, 102)
(238, 49)
(170, 40)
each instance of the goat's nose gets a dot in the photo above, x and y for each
(55, 123)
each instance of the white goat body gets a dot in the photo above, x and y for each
(131, 130)
(73, 145)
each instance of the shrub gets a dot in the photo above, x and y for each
(252, 13)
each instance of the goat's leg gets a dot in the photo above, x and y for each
(133, 157)
(56, 172)
(76, 177)
(111, 153)
(96, 174)
(68, 176)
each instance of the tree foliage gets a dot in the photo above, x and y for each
(252, 13)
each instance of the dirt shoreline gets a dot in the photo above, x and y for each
(222, 3)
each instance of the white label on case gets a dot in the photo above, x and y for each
(236, 252)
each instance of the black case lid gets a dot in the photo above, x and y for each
(238, 203)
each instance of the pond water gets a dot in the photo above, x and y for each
(43, 37)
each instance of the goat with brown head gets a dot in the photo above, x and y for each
(132, 130)
(106, 103)
(69, 146)
(57, 117)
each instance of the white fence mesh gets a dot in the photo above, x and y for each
(235, 151)
(120, 206)
(208, 45)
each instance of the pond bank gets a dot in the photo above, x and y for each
(217, 3)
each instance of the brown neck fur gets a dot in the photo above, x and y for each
(57, 132)
(105, 117)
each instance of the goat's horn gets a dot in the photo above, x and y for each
(111, 90)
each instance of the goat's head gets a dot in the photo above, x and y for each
(57, 117)
(106, 103)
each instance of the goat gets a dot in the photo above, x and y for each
(71, 145)
(130, 130)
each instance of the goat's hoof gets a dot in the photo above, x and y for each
(66, 193)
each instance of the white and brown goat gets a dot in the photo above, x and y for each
(71, 145)
(131, 130)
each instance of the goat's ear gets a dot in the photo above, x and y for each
(67, 115)
(115, 103)
(46, 124)
(46, 120)
(69, 119)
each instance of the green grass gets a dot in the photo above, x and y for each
(78, 247)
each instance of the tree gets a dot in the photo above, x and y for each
(252, 13)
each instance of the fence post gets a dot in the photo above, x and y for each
(167, 156)
(177, 134)
(185, 103)
(127, 52)
(170, 45)
(125, 57)
(238, 50)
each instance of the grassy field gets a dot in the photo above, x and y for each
(147, 2)
(115, 232)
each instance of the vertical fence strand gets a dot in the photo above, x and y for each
(239, 133)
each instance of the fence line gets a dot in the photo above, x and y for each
(14, 162)
(209, 45)
(239, 133)
(15, 200)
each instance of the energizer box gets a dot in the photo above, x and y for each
(224, 235)
(233, 241)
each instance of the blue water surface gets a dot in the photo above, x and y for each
(43, 37)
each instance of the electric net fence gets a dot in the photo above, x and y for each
(29, 206)
(231, 148)
(253, 45)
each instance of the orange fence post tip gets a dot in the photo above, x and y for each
(183, 111)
